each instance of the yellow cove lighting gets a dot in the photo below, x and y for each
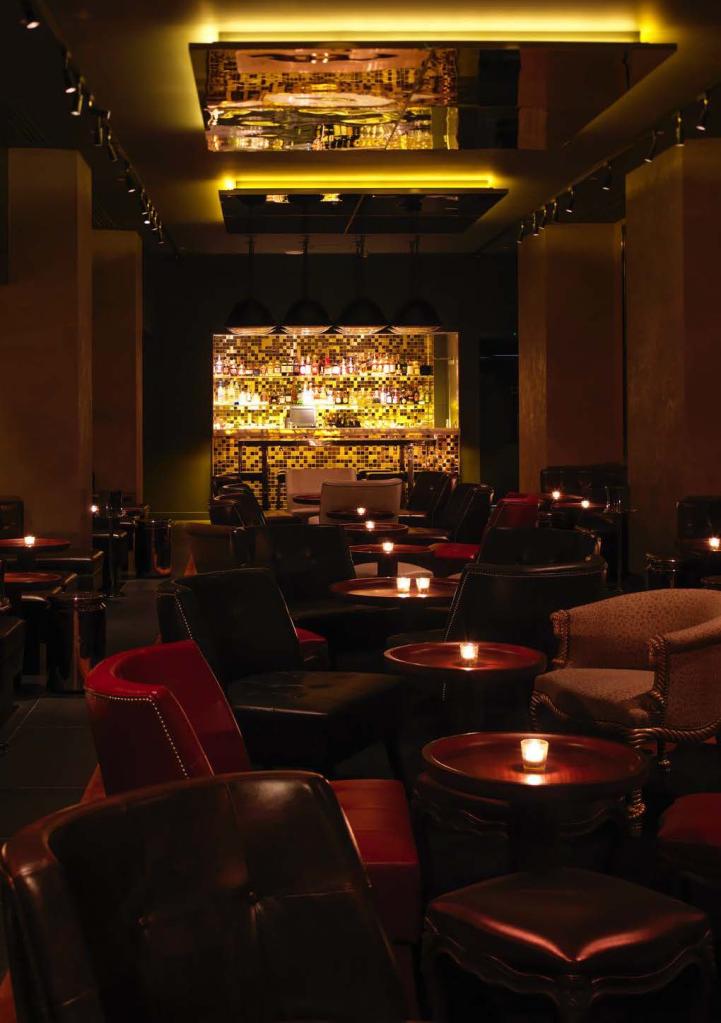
(279, 182)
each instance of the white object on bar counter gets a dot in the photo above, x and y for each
(534, 753)
(469, 652)
(370, 525)
(423, 583)
(387, 546)
(29, 541)
(403, 583)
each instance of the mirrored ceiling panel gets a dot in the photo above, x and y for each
(265, 99)
(335, 213)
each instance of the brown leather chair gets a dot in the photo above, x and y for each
(570, 935)
(232, 898)
(215, 548)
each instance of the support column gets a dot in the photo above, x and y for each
(673, 213)
(45, 343)
(118, 362)
(570, 348)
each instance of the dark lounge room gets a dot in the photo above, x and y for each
(360, 511)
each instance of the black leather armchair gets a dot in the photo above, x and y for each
(528, 546)
(233, 898)
(461, 519)
(289, 716)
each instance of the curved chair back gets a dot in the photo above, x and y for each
(244, 504)
(224, 480)
(380, 495)
(430, 490)
(465, 513)
(232, 898)
(515, 512)
(304, 559)
(309, 481)
(239, 620)
(215, 548)
(698, 517)
(514, 603)
(531, 546)
(158, 714)
(223, 512)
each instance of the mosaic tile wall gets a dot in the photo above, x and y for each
(438, 452)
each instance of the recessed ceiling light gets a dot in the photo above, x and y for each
(277, 198)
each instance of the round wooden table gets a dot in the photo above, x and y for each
(17, 583)
(491, 692)
(27, 555)
(579, 770)
(351, 516)
(387, 563)
(306, 498)
(382, 531)
(382, 590)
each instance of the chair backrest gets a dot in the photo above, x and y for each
(244, 503)
(222, 511)
(309, 481)
(225, 479)
(430, 489)
(698, 517)
(304, 559)
(380, 495)
(531, 546)
(213, 548)
(465, 513)
(513, 603)
(233, 898)
(239, 620)
(158, 714)
(515, 512)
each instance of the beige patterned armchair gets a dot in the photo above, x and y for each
(639, 667)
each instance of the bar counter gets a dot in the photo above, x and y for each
(263, 455)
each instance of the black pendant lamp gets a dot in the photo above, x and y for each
(417, 315)
(306, 317)
(249, 317)
(361, 316)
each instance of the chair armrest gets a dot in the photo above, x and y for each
(687, 663)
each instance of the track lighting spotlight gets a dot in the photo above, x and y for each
(534, 225)
(130, 182)
(110, 146)
(543, 219)
(571, 201)
(648, 158)
(29, 19)
(521, 233)
(161, 236)
(703, 113)
(145, 209)
(100, 129)
(155, 221)
(555, 211)
(678, 129)
(70, 78)
(76, 107)
(607, 183)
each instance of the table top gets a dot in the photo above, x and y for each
(305, 498)
(383, 590)
(32, 580)
(489, 764)
(398, 528)
(377, 548)
(698, 546)
(352, 514)
(42, 543)
(445, 658)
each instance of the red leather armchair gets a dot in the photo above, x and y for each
(158, 714)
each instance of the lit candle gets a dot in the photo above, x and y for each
(403, 583)
(29, 541)
(360, 512)
(714, 543)
(469, 652)
(534, 753)
(423, 583)
(556, 495)
(94, 509)
(585, 503)
(370, 525)
(387, 546)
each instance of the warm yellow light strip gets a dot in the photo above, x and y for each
(333, 182)
(409, 36)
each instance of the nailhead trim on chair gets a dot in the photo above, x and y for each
(153, 704)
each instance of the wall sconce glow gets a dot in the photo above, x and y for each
(228, 184)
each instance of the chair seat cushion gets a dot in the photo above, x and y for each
(377, 813)
(456, 551)
(313, 719)
(614, 695)
(690, 834)
(567, 921)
